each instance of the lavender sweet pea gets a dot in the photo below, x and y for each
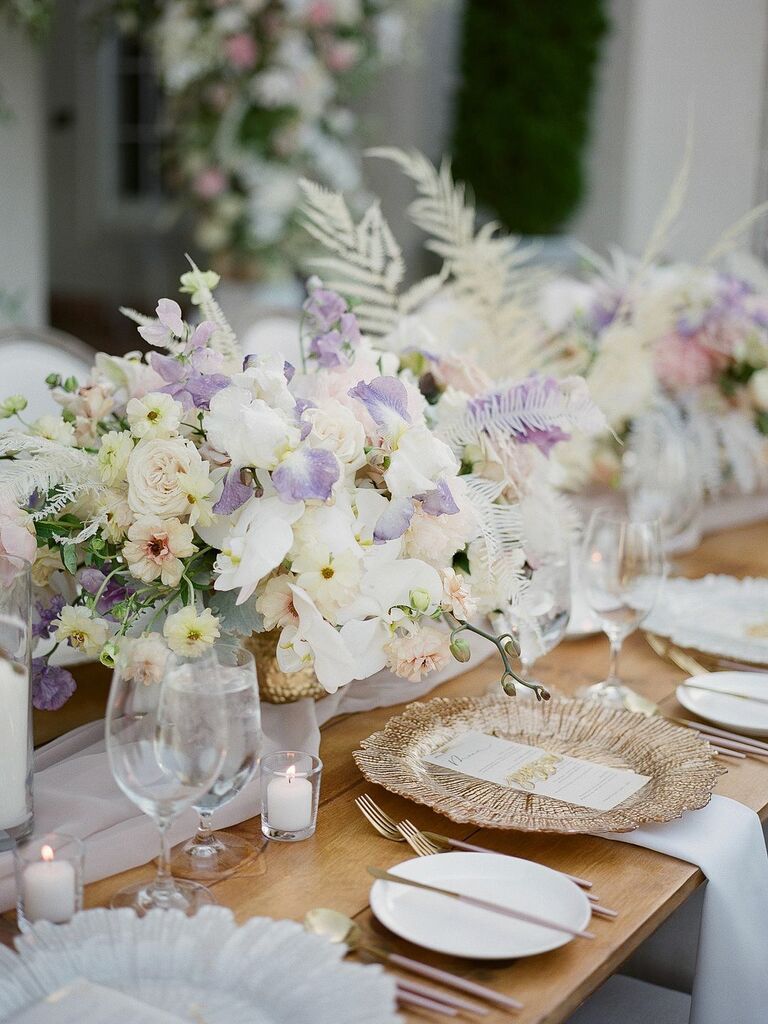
(324, 308)
(234, 494)
(438, 502)
(307, 474)
(395, 521)
(46, 614)
(386, 400)
(187, 380)
(52, 686)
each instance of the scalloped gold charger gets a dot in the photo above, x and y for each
(683, 772)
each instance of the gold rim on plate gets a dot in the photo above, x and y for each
(680, 762)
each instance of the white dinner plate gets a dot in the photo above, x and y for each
(745, 716)
(448, 926)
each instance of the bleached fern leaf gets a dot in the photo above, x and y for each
(367, 263)
(138, 318)
(734, 234)
(500, 530)
(422, 292)
(29, 464)
(224, 339)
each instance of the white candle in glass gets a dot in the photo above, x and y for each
(14, 744)
(50, 888)
(289, 802)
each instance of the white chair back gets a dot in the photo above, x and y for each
(28, 355)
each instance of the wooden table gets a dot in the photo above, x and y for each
(329, 870)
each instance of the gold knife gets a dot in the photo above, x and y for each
(473, 901)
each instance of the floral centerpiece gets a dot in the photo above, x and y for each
(258, 95)
(187, 493)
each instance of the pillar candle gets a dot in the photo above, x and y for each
(289, 802)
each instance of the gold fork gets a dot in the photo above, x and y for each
(380, 820)
(423, 846)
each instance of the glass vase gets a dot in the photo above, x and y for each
(15, 701)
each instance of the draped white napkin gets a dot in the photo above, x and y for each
(725, 839)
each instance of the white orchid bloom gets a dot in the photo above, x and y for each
(259, 542)
(314, 637)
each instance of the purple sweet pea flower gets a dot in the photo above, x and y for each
(185, 382)
(91, 580)
(438, 502)
(395, 521)
(46, 614)
(308, 473)
(52, 685)
(201, 336)
(325, 308)
(168, 327)
(386, 400)
(336, 347)
(234, 494)
(301, 405)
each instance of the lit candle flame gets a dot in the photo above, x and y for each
(46, 853)
(291, 773)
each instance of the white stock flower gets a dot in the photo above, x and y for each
(248, 430)
(80, 629)
(154, 415)
(116, 448)
(157, 472)
(418, 652)
(190, 634)
(457, 595)
(336, 428)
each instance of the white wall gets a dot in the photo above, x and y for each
(667, 61)
(23, 260)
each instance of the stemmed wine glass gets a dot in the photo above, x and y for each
(210, 854)
(622, 571)
(540, 619)
(166, 738)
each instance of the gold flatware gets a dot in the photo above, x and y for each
(474, 901)
(337, 927)
(380, 820)
(424, 844)
(675, 655)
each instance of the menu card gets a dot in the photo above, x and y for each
(536, 771)
(84, 1000)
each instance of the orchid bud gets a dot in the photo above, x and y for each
(420, 599)
(512, 647)
(460, 649)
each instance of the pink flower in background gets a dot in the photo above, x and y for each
(416, 654)
(210, 183)
(15, 538)
(320, 13)
(683, 362)
(343, 56)
(241, 51)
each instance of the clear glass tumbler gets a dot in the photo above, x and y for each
(290, 794)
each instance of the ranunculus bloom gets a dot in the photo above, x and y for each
(188, 633)
(241, 51)
(82, 631)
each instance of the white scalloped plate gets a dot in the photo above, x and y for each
(200, 968)
(714, 615)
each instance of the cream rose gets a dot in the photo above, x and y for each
(336, 428)
(157, 475)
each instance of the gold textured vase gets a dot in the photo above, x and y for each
(276, 686)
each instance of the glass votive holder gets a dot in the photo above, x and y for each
(49, 879)
(290, 793)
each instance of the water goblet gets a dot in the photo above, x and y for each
(166, 738)
(622, 571)
(212, 854)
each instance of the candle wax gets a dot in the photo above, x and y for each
(49, 891)
(14, 745)
(289, 804)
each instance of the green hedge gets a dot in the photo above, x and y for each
(523, 110)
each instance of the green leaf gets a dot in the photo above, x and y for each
(69, 557)
(461, 562)
(240, 619)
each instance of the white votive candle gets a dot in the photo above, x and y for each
(50, 889)
(14, 744)
(289, 802)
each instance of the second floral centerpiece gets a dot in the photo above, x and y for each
(191, 492)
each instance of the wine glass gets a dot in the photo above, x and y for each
(209, 854)
(661, 476)
(166, 737)
(622, 570)
(540, 618)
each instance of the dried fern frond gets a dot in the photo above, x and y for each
(500, 531)
(34, 464)
(731, 237)
(224, 339)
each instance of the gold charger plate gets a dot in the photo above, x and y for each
(680, 762)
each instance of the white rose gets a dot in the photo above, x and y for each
(758, 388)
(248, 430)
(336, 428)
(157, 475)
